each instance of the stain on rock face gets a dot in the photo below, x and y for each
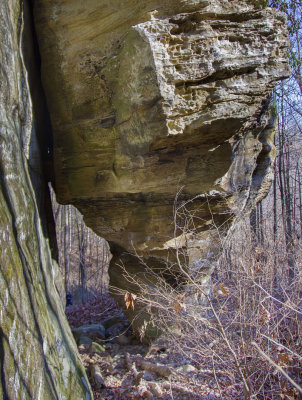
(147, 97)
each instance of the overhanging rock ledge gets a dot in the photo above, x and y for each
(146, 97)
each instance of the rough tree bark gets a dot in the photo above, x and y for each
(38, 356)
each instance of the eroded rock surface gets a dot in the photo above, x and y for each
(147, 97)
(38, 356)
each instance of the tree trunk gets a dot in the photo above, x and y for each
(66, 246)
(38, 355)
(83, 245)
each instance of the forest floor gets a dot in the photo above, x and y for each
(120, 367)
(128, 369)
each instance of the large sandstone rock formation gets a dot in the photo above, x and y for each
(147, 97)
(38, 355)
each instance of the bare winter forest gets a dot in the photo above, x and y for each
(247, 341)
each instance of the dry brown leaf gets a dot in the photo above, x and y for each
(289, 394)
(129, 300)
(258, 250)
(224, 289)
(215, 289)
(265, 315)
(284, 359)
(179, 306)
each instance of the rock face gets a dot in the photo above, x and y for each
(147, 97)
(38, 356)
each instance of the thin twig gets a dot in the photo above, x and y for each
(281, 370)
(281, 345)
(278, 301)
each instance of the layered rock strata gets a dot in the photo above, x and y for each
(147, 97)
(38, 355)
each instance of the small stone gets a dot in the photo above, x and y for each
(96, 348)
(93, 331)
(186, 368)
(156, 389)
(97, 377)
